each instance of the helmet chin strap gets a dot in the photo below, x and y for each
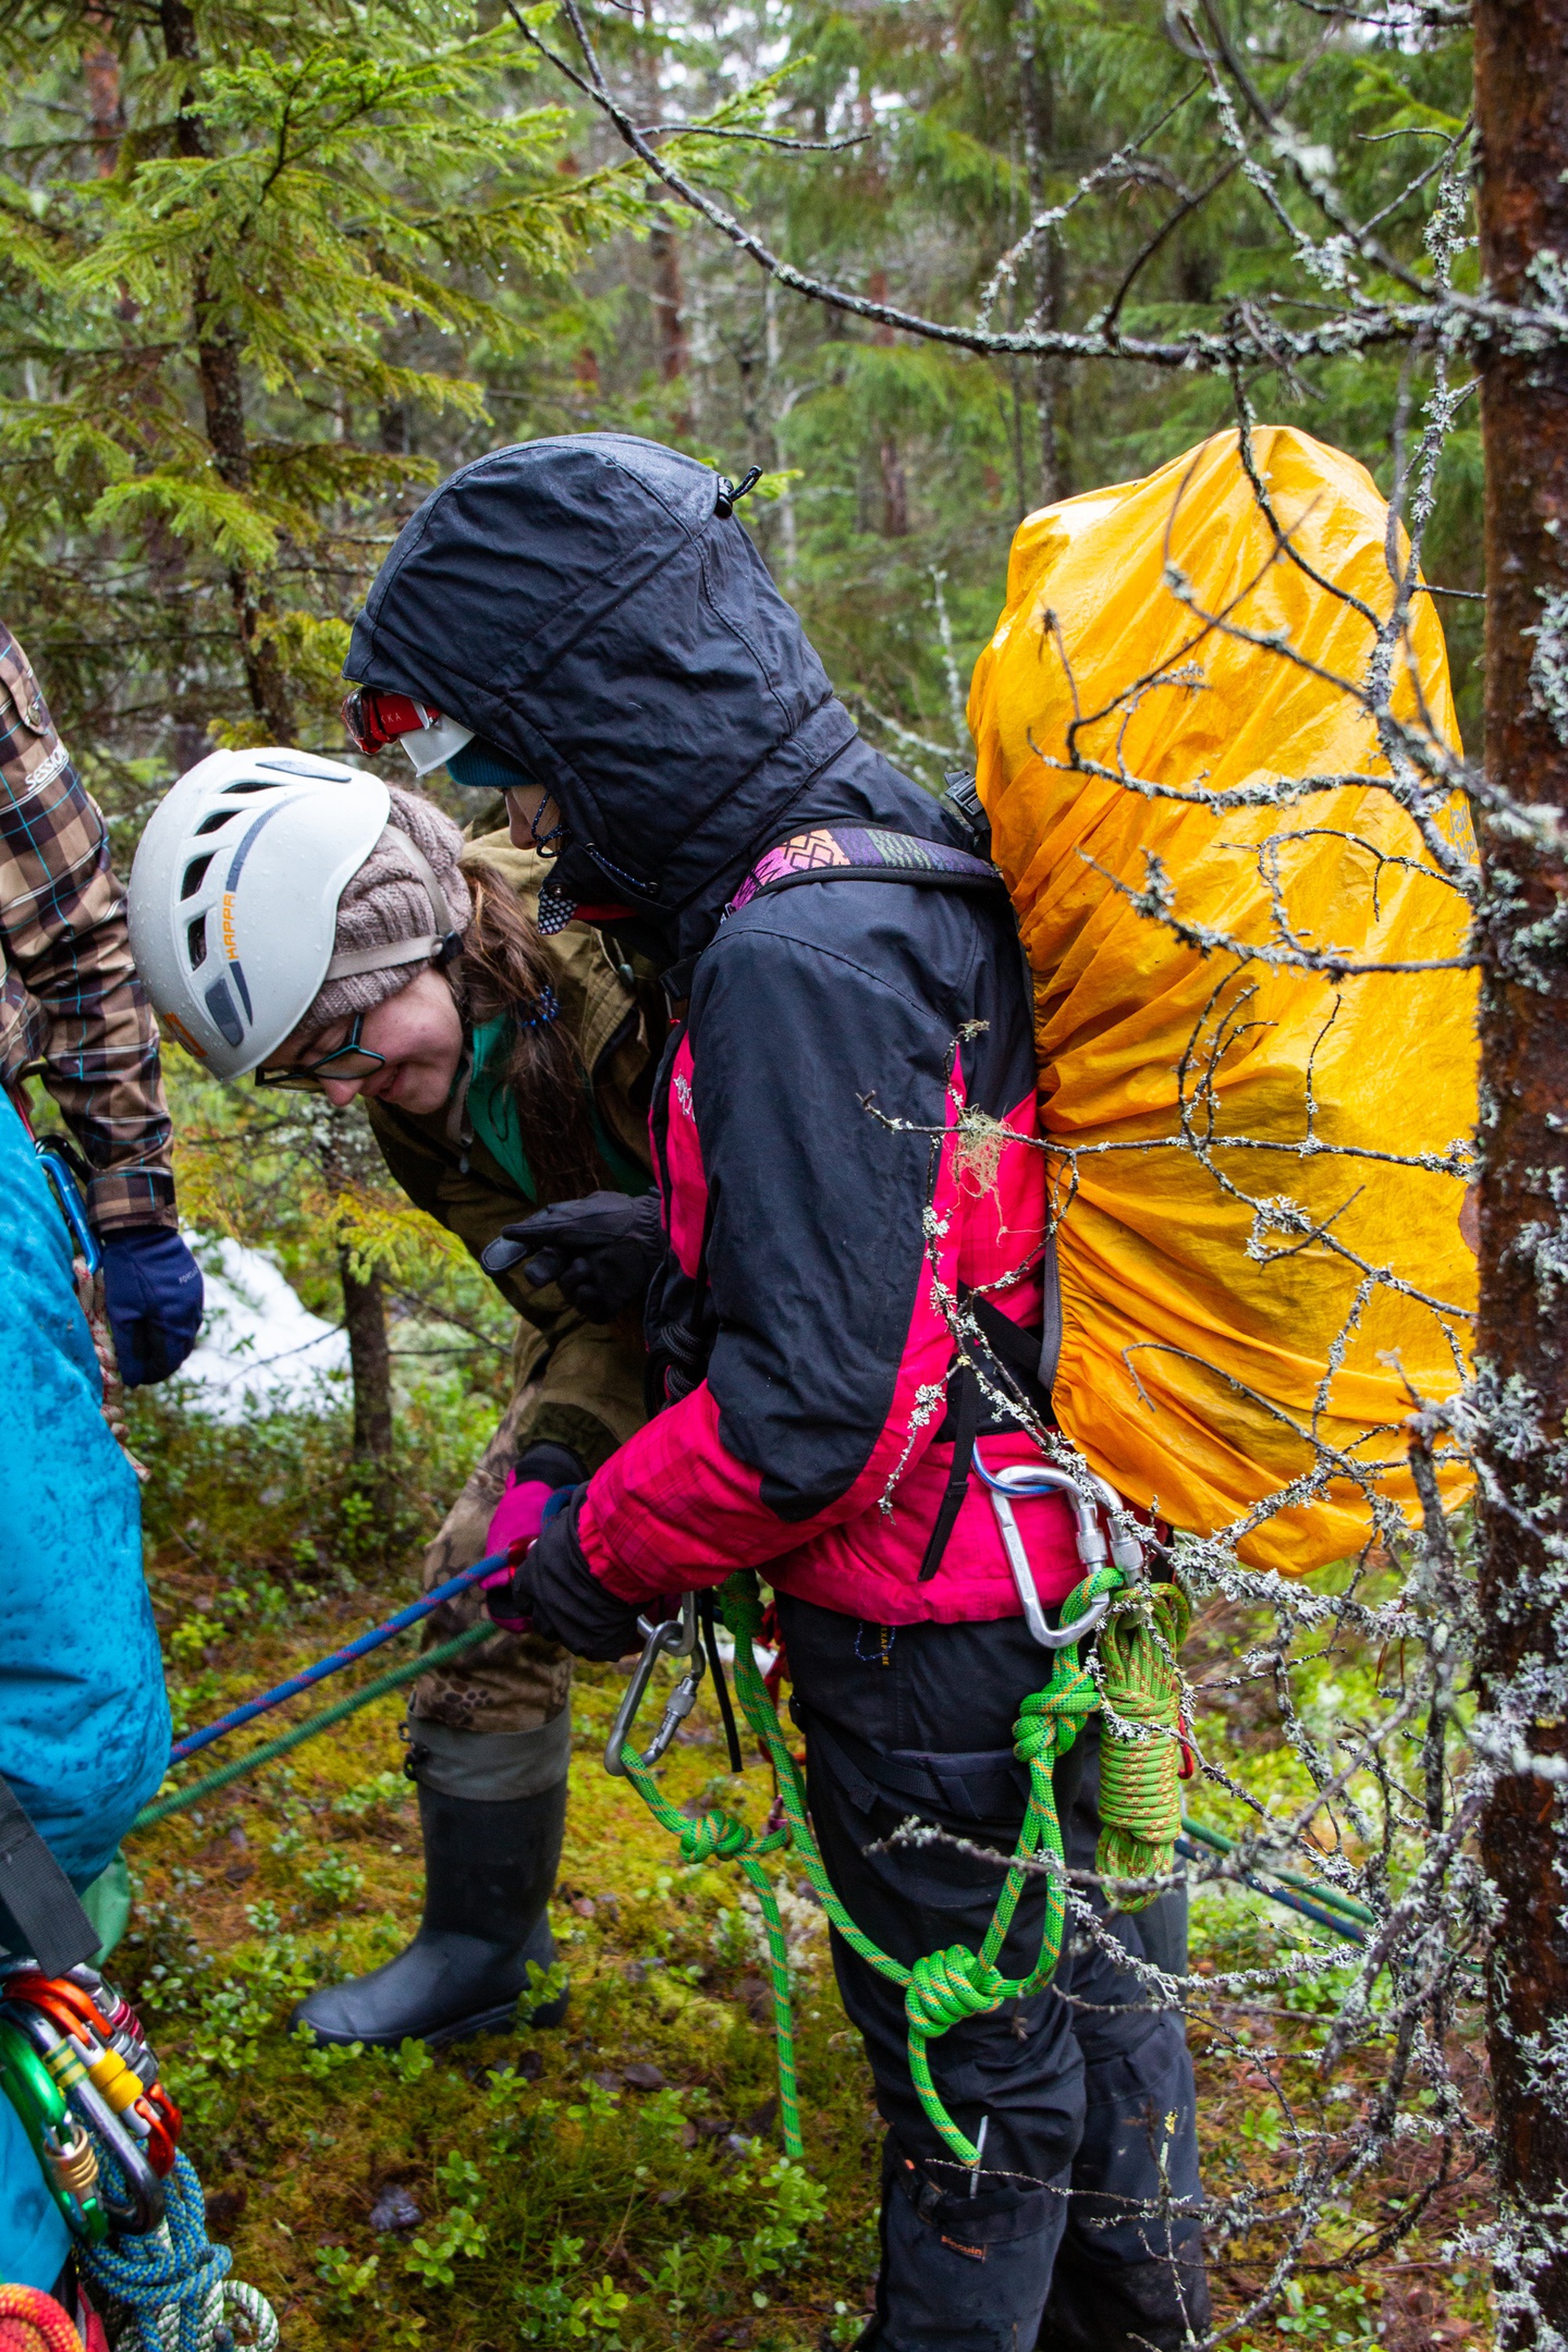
(438, 946)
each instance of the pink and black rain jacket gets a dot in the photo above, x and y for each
(843, 1119)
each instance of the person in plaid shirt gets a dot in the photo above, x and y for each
(73, 1011)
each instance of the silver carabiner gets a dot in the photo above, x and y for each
(677, 1637)
(1019, 1481)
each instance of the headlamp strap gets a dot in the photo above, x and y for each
(439, 946)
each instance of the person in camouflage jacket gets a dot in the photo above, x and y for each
(489, 1733)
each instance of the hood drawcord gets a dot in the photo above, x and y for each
(732, 493)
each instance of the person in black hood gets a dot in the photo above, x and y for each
(587, 607)
(588, 618)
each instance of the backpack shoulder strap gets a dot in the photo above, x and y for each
(40, 1912)
(855, 853)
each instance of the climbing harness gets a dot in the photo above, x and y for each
(77, 2068)
(45, 1912)
(1136, 1683)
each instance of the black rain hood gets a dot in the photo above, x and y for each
(591, 606)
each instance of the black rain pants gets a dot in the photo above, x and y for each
(1082, 2233)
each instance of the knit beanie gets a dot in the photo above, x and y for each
(386, 901)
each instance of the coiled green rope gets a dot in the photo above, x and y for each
(1142, 1688)
(1140, 1752)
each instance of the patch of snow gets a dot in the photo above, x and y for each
(259, 1343)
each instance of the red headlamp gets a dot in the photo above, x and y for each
(372, 718)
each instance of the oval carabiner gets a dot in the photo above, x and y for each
(677, 1637)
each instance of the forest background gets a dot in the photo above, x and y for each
(268, 271)
(272, 271)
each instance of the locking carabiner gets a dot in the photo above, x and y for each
(1020, 1481)
(677, 1637)
(64, 2151)
(142, 2207)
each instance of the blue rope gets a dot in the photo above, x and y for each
(336, 1659)
(176, 2263)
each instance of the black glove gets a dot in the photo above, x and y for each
(603, 1251)
(153, 1297)
(559, 1591)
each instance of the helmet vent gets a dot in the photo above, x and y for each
(195, 872)
(260, 783)
(218, 819)
(196, 941)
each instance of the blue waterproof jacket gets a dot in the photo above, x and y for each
(84, 1719)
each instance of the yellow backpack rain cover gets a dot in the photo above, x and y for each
(1214, 1353)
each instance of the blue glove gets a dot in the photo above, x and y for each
(152, 1290)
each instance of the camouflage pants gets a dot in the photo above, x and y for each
(494, 1722)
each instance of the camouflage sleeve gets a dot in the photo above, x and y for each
(70, 1003)
(583, 1380)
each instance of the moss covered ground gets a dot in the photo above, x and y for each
(618, 2182)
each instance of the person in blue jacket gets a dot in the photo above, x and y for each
(84, 1718)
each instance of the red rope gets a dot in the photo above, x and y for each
(31, 2321)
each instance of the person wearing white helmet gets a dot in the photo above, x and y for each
(300, 920)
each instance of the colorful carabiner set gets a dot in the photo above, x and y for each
(77, 2068)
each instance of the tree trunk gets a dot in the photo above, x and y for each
(890, 463)
(784, 505)
(223, 404)
(370, 1362)
(895, 491)
(1523, 1338)
(106, 108)
(663, 248)
(668, 301)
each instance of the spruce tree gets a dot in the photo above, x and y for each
(235, 300)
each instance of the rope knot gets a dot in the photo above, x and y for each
(740, 1605)
(714, 1837)
(1051, 1718)
(947, 1986)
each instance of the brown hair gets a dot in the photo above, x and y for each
(505, 969)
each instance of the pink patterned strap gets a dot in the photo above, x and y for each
(862, 854)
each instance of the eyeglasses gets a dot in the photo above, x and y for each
(348, 1061)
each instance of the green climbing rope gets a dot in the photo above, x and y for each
(1140, 1757)
(1141, 1694)
(270, 1749)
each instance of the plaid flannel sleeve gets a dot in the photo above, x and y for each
(70, 1004)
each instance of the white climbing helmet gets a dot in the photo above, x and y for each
(234, 898)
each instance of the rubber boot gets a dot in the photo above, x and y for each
(488, 1870)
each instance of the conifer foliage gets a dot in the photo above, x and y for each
(282, 232)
